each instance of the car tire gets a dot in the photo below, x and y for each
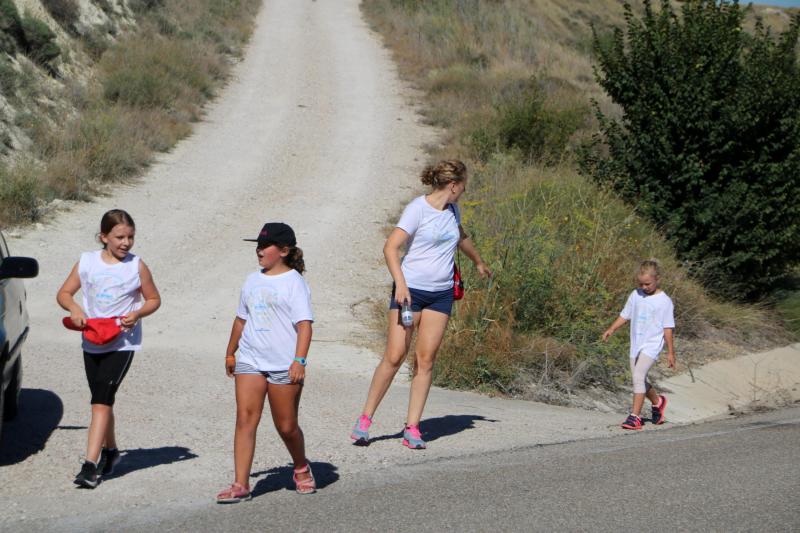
(11, 396)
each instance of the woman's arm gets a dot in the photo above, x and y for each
(466, 245)
(233, 345)
(391, 251)
(304, 331)
(152, 299)
(66, 297)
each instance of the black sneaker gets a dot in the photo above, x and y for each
(87, 477)
(109, 458)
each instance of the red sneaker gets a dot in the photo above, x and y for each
(632, 422)
(659, 410)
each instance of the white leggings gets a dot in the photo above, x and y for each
(640, 365)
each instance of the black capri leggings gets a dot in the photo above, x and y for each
(105, 372)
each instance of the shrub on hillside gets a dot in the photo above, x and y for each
(708, 146)
(527, 122)
(65, 12)
(40, 42)
(10, 27)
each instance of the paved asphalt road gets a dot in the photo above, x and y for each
(733, 475)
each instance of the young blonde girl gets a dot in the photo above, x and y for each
(272, 334)
(113, 283)
(650, 312)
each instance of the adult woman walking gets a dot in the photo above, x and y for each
(430, 229)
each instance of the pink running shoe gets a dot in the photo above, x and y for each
(360, 432)
(412, 438)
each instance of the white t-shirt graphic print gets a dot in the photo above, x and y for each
(434, 235)
(111, 290)
(649, 315)
(271, 307)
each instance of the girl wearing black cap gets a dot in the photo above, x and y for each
(272, 334)
(430, 230)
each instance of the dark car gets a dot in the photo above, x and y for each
(13, 327)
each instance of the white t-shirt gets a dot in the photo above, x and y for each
(109, 291)
(649, 315)
(272, 306)
(434, 235)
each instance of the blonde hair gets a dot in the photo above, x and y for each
(650, 266)
(444, 172)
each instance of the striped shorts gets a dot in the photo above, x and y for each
(276, 377)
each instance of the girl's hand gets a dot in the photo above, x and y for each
(671, 359)
(230, 365)
(130, 320)
(607, 334)
(401, 294)
(483, 270)
(297, 372)
(78, 318)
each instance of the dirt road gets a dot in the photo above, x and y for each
(316, 130)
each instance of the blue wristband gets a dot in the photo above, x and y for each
(301, 360)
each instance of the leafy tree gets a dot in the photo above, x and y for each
(708, 144)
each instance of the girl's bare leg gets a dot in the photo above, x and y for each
(98, 428)
(284, 402)
(250, 392)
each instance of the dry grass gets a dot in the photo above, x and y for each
(147, 89)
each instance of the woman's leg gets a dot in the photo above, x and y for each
(397, 343)
(250, 392)
(432, 325)
(284, 403)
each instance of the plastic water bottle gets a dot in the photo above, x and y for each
(406, 316)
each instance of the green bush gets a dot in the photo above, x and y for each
(528, 123)
(708, 146)
(19, 194)
(9, 78)
(40, 42)
(65, 12)
(10, 27)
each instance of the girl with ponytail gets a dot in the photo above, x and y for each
(267, 353)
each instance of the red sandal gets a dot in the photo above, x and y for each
(235, 494)
(304, 486)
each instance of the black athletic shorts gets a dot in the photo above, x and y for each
(105, 372)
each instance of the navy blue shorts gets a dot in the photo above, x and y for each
(441, 301)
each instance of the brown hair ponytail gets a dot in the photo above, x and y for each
(295, 259)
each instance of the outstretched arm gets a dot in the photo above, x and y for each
(466, 245)
(618, 323)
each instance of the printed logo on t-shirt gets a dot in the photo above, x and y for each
(105, 290)
(262, 302)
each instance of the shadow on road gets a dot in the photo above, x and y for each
(280, 477)
(40, 412)
(442, 426)
(141, 458)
